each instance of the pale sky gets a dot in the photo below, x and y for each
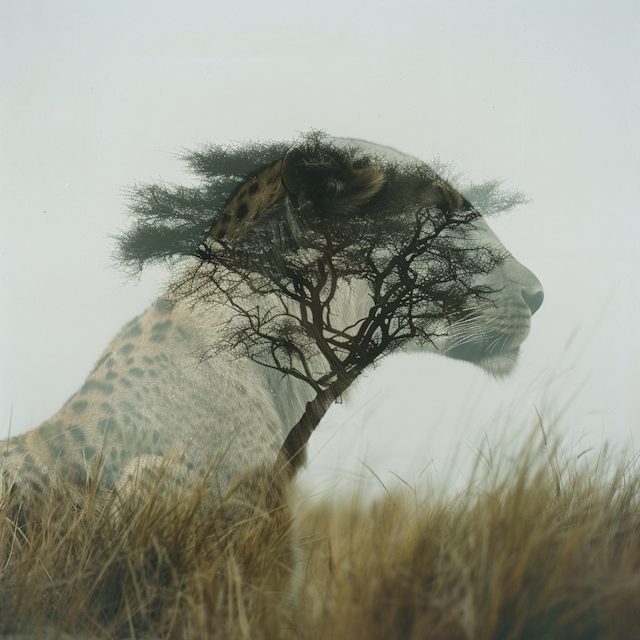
(544, 95)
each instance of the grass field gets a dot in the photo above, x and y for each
(534, 550)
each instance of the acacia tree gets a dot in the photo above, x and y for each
(345, 220)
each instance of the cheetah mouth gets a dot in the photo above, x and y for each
(496, 352)
(490, 341)
(499, 362)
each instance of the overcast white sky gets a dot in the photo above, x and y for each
(545, 95)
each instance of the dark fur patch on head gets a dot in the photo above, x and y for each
(325, 180)
(317, 181)
(330, 179)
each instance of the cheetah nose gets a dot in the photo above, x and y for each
(533, 297)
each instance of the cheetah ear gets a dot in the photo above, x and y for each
(326, 178)
(295, 174)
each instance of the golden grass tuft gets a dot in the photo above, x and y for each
(537, 551)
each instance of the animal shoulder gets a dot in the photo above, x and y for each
(151, 396)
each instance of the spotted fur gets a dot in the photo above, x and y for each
(251, 201)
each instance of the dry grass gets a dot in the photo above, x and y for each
(537, 552)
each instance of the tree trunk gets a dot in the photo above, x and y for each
(293, 454)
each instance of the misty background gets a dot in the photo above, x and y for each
(544, 95)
